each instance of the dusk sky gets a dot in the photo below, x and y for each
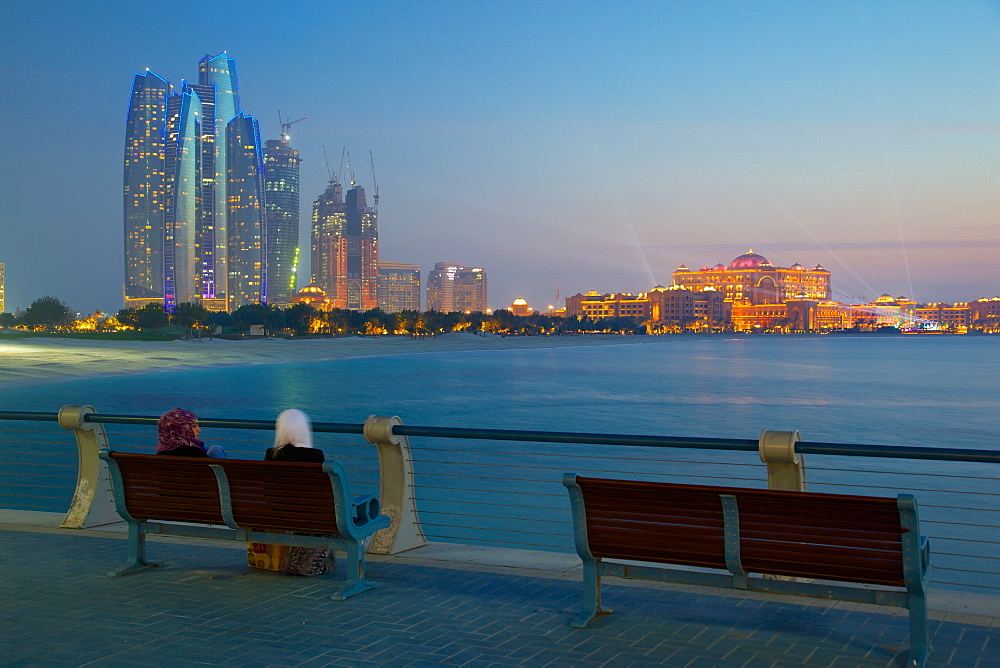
(562, 146)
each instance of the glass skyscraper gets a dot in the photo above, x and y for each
(345, 248)
(178, 173)
(281, 185)
(144, 185)
(245, 212)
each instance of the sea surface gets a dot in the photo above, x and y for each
(923, 390)
(896, 390)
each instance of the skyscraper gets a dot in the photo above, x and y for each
(144, 188)
(345, 247)
(178, 173)
(245, 167)
(398, 286)
(281, 185)
(454, 287)
(3, 298)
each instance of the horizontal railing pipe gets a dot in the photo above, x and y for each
(736, 444)
(577, 437)
(329, 427)
(899, 452)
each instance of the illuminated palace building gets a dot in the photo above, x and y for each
(748, 294)
(765, 297)
(345, 247)
(194, 195)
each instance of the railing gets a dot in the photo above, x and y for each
(491, 487)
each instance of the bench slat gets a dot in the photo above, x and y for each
(292, 496)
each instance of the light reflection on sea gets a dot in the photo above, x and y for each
(897, 390)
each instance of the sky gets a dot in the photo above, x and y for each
(562, 146)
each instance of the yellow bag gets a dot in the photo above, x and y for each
(266, 557)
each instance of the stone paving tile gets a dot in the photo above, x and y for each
(206, 607)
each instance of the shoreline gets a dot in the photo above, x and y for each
(32, 361)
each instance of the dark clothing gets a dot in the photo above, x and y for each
(292, 453)
(185, 451)
(307, 561)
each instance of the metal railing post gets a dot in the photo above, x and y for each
(786, 469)
(93, 503)
(396, 488)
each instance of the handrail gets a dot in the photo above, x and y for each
(737, 444)
(780, 452)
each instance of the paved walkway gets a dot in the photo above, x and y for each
(205, 607)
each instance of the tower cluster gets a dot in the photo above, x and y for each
(200, 224)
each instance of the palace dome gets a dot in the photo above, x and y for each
(750, 260)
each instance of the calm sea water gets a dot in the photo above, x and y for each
(940, 391)
(897, 390)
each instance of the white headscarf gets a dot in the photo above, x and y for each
(293, 427)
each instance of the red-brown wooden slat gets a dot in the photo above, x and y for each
(829, 536)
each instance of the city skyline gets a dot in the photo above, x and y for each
(563, 146)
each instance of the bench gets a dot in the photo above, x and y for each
(282, 503)
(798, 535)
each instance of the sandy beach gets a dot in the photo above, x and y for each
(43, 359)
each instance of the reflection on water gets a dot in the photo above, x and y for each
(928, 391)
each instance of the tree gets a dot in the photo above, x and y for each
(188, 315)
(151, 316)
(248, 315)
(218, 319)
(7, 320)
(298, 317)
(47, 311)
(128, 317)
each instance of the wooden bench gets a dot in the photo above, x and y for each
(283, 503)
(832, 537)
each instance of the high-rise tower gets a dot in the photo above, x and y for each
(219, 73)
(281, 185)
(345, 247)
(144, 187)
(182, 212)
(454, 287)
(245, 185)
(178, 172)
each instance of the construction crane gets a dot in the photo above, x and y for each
(330, 175)
(286, 126)
(349, 168)
(374, 182)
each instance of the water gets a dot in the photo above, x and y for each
(939, 391)
(909, 390)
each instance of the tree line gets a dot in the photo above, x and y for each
(304, 320)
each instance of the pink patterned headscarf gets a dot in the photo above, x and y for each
(176, 429)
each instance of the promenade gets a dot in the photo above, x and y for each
(438, 605)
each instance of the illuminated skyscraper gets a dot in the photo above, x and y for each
(454, 287)
(281, 183)
(398, 286)
(345, 247)
(177, 201)
(3, 299)
(183, 198)
(245, 212)
(144, 187)
(217, 77)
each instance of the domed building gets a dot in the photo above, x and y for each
(752, 279)
(312, 295)
(765, 297)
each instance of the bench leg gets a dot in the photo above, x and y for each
(591, 607)
(356, 582)
(136, 551)
(920, 646)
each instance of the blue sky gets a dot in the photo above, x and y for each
(563, 146)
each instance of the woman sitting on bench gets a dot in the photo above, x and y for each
(178, 430)
(293, 443)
